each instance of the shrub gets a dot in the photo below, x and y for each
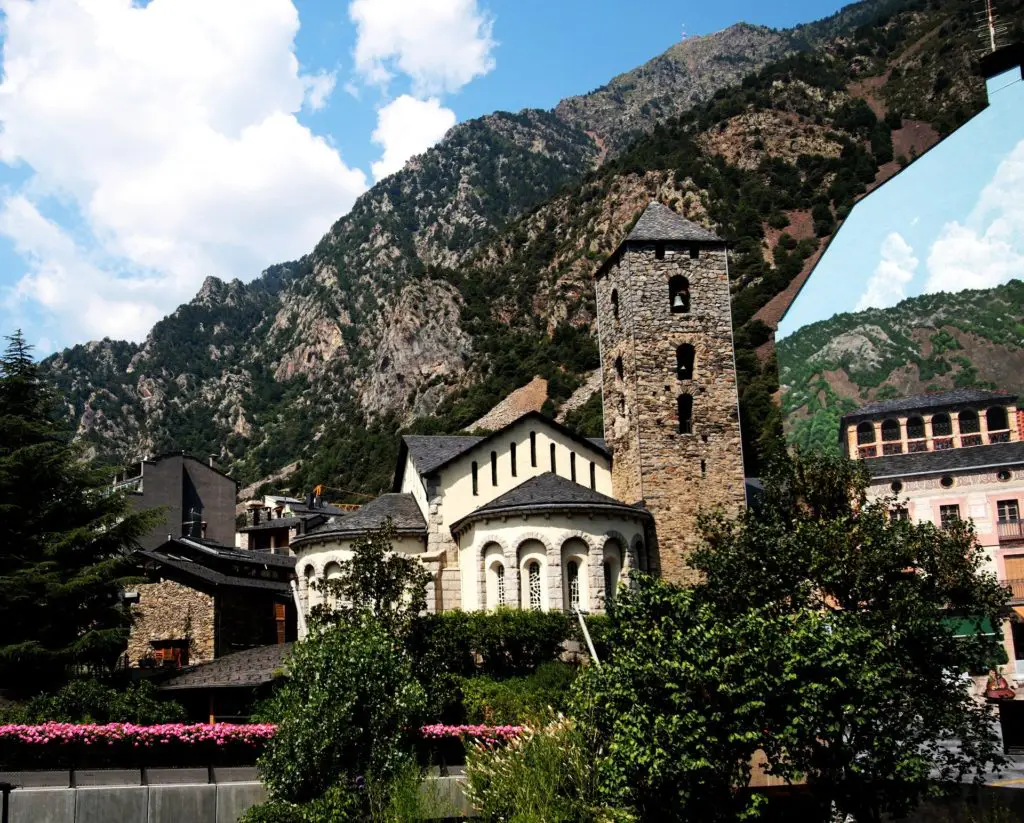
(513, 642)
(351, 708)
(518, 699)
(89, 701)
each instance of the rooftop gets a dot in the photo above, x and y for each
(252, 667)
(994, 455)
(949, 399)
(659, 222)
(402, 509)
(430, 451)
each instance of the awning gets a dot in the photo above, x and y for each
(971, 626)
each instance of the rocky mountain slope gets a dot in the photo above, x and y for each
(935, 342)
(465, 275)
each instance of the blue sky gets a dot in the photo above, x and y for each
(952, 220)
(147, 145)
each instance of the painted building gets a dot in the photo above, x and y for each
(953, 456)
(534, 516)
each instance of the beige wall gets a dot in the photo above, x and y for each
(412, 484)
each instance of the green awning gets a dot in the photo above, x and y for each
(970, 626)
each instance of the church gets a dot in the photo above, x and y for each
(533, 516)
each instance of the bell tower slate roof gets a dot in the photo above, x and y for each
(659, 222)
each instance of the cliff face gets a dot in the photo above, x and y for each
(936, 342)
(467, 274)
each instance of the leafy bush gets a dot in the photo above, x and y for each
(519, 699)
(352, 708)
(90, 701)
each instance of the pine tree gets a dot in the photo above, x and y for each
(64, 541)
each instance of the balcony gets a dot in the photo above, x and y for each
(1016, 588)
(999, 437)
(1010, 530)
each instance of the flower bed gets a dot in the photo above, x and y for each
(125, 745)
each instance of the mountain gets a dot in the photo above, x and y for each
(467, 274)
(935, 342)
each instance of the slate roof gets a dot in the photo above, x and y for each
(245, 669)
(214, 577)
(219, 550)
(599, 442)
(401, 508)
(550, 492)
(659, 222)
(273, 523)
(428, 451)
(957, 397)
(993, 456)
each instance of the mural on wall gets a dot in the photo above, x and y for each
(922, 290)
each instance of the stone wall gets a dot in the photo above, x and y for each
(169, 610)
(675, 474)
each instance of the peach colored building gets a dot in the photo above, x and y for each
(948, 456)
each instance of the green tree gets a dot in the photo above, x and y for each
(64, 540)
(882, 713)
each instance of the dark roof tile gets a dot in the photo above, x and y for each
(430, 451)
(947, 460)
(659, 222)
(949, 399)
(252, 667)
(403, 510)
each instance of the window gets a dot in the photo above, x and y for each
(1003, 475)
(618, 367)
(659, 251)
(890, 430)
(685, 404)
(946, 482)
(533, 579)
(512, 455)
(499, 579)
(898, 513)
(865, 433)
(679, 294)
(494, 468)
(949, 515)
(969, 422)
(1008, 511)
(572, 466)
(554, 467)
(609, 583)
(915, 427)
(997, 419)
(941, 427)
(476, 479)
(694, 252)
(533, 449)
(703, 468)
(684, 361)
(572, 571)
(593, 475)
(896, 486)
(615, 303)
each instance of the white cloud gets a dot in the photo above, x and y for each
(988, 249)
(170, 131)
(440, 44)
(888, 283)
(406, 127)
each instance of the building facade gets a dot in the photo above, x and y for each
(534, 516)
(953, 456)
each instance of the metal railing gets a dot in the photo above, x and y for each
(1011, 529)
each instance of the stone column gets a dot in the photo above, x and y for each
(595, 582)
(904, 437)
(983, 428)
(554, 578)
(928, 434)
(878, 436)
(954, 421)
(513, 594)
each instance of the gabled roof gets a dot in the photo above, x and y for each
(402, 509)
(947, 461)
(949, 399)
(245, 669)
(550, 492)
(214, 569)
(659, 223)
(436, 456)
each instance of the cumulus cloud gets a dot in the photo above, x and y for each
(988, 248)
(406, 127)
(168, 132)
(440, 44)
(888, 283)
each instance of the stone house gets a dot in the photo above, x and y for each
(535, 516)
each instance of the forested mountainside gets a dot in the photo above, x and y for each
(935, 342)
(466, 274)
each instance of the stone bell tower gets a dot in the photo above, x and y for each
(671, 416)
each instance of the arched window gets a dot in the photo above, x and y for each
(533, 449)
(865, 433)
(609, 583)
(494, 565)
(997, 419)
(612, 568)
(941, 427)
(494, 468)
(685, 404)
(572, 466)
(572, 572)
(891, 430)
(309, 578)
(554, 467)
(968, 420)
(618, 367)
(512, 455)
(679, 294)
(332, 575)
(476, 478)
(915, 427)
(684, 361)
(499, 577)
(533, 581)
(615, 303)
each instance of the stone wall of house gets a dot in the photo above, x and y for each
(675, 474)
(169, 610)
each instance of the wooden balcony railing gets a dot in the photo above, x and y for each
(1017, 589)
(1011, 530)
